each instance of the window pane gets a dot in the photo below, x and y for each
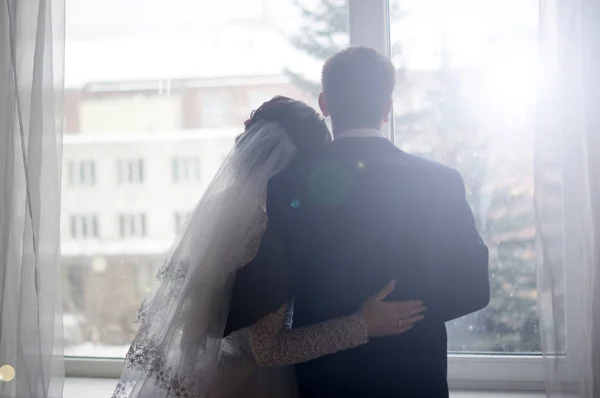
(142, 225)
(465, 98)
(156, 97)
(140, 170)
(92, 171)
(175, 167)
(95, 226)
(71, 169)
(73, 229)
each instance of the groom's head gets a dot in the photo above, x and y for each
(357, 89)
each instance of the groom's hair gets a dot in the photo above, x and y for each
(357, 85)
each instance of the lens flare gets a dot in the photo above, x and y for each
(7, 373)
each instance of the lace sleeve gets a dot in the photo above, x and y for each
(275, 344)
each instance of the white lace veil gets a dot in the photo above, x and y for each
(179, 346)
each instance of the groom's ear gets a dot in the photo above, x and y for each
(388, 111)
(323, 105)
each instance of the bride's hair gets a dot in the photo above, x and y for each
(305, 127)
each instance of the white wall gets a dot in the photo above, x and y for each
(132, 114)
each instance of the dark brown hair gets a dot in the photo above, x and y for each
(304, 125)
(357, 85)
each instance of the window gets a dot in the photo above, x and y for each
(465, 98)
(82, 172)
(216, 108)
(132, 225)
(180, 218)
(84, 226)
(161, 136)
(131, 171)
(186, 169)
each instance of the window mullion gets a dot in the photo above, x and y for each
(369, 26)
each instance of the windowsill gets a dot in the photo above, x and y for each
(102, 388)
(465, 372)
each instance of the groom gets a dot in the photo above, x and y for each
(363, 213)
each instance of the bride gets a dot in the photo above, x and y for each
(181, 350)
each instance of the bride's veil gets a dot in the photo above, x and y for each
(177, 349)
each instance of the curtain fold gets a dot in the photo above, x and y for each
(567, 199)
(31, 87)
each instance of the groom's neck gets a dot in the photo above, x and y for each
(338, 130)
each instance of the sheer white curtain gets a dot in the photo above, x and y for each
(31, 71)
(568, 196)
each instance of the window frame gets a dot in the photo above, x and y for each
(83, 226)
(82, 173)
(369, 25)
(186, 169)
(132, 225)
(467, 371)
(130, 171)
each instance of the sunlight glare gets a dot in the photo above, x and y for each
(513, 82)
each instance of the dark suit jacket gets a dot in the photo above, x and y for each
(359, 215)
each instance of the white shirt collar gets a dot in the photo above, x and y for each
(361, 133)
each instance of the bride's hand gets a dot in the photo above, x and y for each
(384, 318)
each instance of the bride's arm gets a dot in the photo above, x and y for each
(264, 287)
(274, 344)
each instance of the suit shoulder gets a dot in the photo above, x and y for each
(426, 167)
